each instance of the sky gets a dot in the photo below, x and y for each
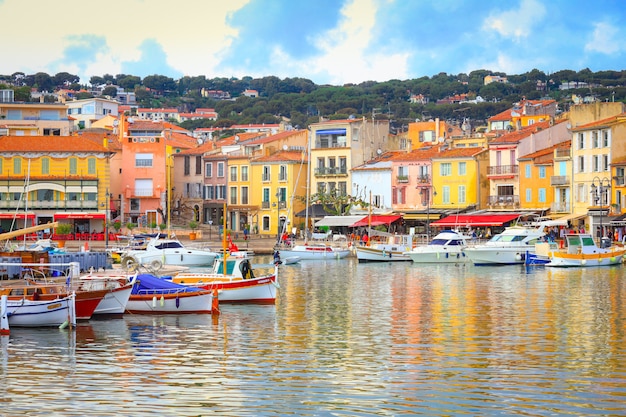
(326, 41)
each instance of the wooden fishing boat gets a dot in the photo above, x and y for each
(581, 250)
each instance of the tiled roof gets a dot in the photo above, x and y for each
(278, 136)
(518, 135)
(452, 153)
(599, 123)
(281, 156)
(50, 144)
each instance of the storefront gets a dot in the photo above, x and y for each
(83, 223)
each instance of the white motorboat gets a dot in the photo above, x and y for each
(446, 247)
(507, 248)
(119, 289)
(161, 252)
(393, 250)
(581, 251)
(315, 252)
(28, 311)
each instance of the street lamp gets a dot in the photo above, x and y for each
(600, 187)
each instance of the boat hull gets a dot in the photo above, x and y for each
(41, 313)
(496, 255)
(369, 254)
(565, 260)
(180, 303)
(261, 290)
(313, 252)
(442, 255)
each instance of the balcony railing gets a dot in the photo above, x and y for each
(265, 178)
(504, 200)
(559, 180)
(265, 204)
(503, 170)
(562, 153)
(423, 179)
(402, 178)
(619, 181)
(560, 207)
(330, 171)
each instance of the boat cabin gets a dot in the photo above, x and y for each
(582, 243)
(237, 267)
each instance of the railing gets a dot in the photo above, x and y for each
(559, 180)
(504, 200)
(423, 179)
(562, 153)
(560, 207)
(143, 192)
(331, 171)
(619, 180)
(265, 178)
(402, 178)
(265, 204)
(503, 169)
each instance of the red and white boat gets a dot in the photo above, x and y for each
(118, 288)
(236, 283)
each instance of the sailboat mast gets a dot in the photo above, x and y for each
(308, 190)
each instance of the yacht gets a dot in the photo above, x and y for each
(446, 247)
(507, 248)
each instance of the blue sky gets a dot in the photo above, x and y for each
(327, 41)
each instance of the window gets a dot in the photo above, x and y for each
(595, 143)
(208, 169)
(595, 163)
(282, 194)
(581, 164)
(266, 173)
(17, 166)
(91, 196)
(605, 162)
(143, 187)
(343, 188)
(187, 165)
(220, 192)
(266, 195)
(266, 223)
(244, 173)
(220, 170)
(445, 169)
(244, 195)
(427, 136)
(529, 195)
(445, 198)
(91, 166)
(462, 194)
(581, 193)
(209, 193)
(581, 141)
(198, 165)
(528, 171)
(321, 187)
(45, 166)
(143, 160)
(233, 195)
(542, 195)
(45, 195)
(233, 173)
(605, 138)
(73, 166)
(542, 172)
(73, 196)
(462, 168)
(134, 204)
(282, 173)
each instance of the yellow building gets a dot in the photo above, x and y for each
(44, 180)
(279, 189)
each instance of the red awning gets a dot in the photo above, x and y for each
(377, 220)
(475, 220)
(79, 216)
(17, 215)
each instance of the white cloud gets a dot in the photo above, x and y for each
(604, 40)
(516, 23)
(346, 56)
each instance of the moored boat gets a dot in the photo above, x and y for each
(507, 248)
(235, 281)
(159, 252)
(24, 308)
(119, 288)
(446, 247)
(315, 252)
(393, 250)
(581, 250)
(154, 295)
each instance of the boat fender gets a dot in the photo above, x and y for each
(177, 302)
(156, 265)
(447, 254)
(154, 301)
(583, 262)
(162, 301)
(518, 257)
(129, 262)
(458, 255)
(613, 259)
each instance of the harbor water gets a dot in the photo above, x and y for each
(346, 339)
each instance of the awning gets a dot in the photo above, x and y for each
(17, 215)
(421, 216)
(316, 211)
(475, 220)
(618, 221)
(79, 216)
(571, 217)
(376, 220)
(338, 221)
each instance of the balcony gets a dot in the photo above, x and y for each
(557, 180)
(560, 207)
(423, 179)
(503, 170)
(619, 181)
(331, 171)
(49, 205)
(402, 179)
(265, 204)
(504, 201)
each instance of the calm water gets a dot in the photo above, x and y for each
(346, 339)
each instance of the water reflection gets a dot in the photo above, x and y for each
(347, 339)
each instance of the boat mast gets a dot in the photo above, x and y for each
(308, 190)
